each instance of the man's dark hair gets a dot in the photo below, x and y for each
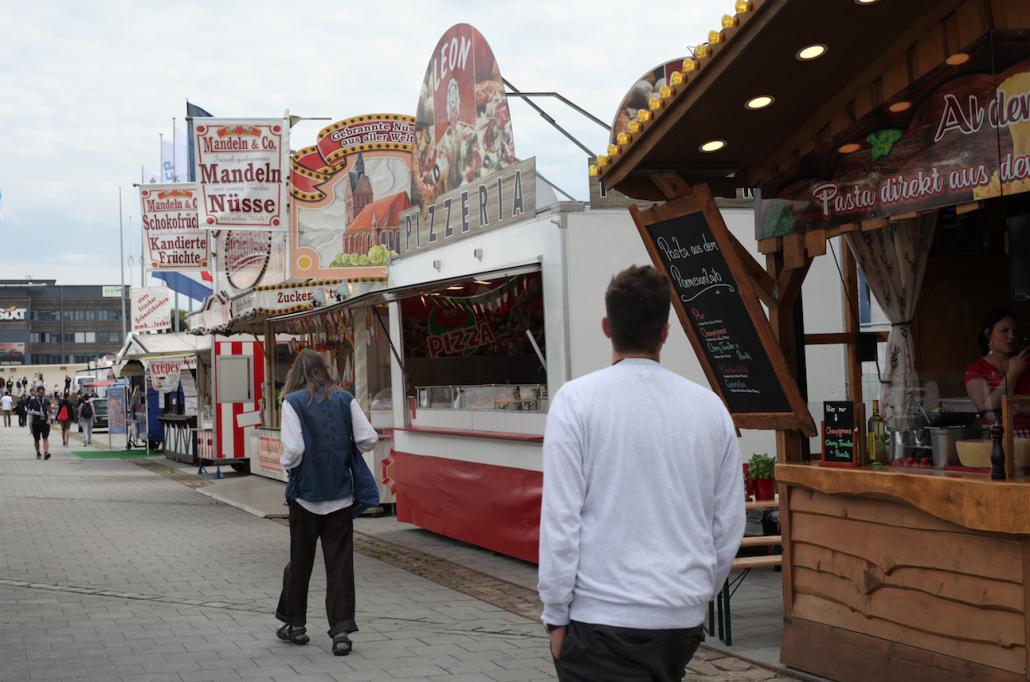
(637, 304)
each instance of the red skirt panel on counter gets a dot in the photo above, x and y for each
(490, 506)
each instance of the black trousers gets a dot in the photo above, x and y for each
(336, 531)
(602, 653)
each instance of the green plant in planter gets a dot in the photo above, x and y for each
(762, 465)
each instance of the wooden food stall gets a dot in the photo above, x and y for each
(901, 130)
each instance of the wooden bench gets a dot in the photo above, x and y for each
(719, 610)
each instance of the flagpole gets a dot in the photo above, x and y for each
(121, 258)
(175, 167)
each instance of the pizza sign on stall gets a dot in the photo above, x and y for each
(242, 168)
(171, 231)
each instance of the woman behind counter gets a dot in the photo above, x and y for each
(1003, 368)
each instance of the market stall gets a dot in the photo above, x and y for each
(172, 369)
(897, 134)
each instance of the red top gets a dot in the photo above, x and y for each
(982, 369)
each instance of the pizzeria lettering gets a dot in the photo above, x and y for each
(496, 201)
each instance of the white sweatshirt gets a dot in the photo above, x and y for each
(643, 503)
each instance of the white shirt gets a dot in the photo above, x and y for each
(643, 504)
(292, 438)
(5, 402)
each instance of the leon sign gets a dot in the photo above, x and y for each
(242, 168)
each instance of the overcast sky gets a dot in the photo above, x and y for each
(86, 88)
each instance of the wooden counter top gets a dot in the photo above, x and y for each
(969, 500)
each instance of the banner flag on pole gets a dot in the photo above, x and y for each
(192, 111)
(167, 161)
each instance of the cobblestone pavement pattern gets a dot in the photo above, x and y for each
(109, 571)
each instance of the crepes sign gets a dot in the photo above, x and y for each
(164, 375)
(242, 173)
(171, 231)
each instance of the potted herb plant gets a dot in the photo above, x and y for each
(763, 472)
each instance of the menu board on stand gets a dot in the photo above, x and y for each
(840, 434)
(717, 307)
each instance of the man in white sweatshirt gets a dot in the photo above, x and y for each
(643, 503)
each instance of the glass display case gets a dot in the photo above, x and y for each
(489, 397)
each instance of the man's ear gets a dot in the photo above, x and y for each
(605, 327)
(665, 335)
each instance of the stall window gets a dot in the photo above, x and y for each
(476, 333)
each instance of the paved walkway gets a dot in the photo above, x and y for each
(109, 571)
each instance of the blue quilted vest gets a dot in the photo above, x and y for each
(324, 473)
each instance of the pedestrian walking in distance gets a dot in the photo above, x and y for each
(39, 411)
(7, 406)
(87, 419)
(65, 417)
(323, 435)
(643, 503)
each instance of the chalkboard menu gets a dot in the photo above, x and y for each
(839, 432)
(689, 242)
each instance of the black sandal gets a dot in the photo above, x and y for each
(341, 644)
(293, 634)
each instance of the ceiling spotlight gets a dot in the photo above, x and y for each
(760, 102)
(898, 107)
(811, 52)
(957, 58)
(849, 148)
(866, 2)
(712, 145)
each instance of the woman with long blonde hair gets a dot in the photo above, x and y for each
(323, 434)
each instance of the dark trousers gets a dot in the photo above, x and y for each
(336, 531)
(602, 653)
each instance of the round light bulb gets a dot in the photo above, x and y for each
(643, 115)
(654, 103)
(613, 150)
(714, 37)
(622, 138)
(811, 52)
(634, 127)
(689, 65)
(702, 51)
(742, 6)
(665, 92)
(676, 77)
(760, 102)
(593, 170)
(728, 21)
(602, 161)
(712, 146)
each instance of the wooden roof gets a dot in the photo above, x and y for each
(876, 51)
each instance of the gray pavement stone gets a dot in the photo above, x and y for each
(112, 572)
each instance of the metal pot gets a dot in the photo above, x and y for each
(943, 439)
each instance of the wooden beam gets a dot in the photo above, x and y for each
(765, 286)
(770, 245)
(815, 243)
(852, 327)
(793, 251)
(672, 185)
(790, 281)
(837, 338)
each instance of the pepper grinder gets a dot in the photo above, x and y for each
(997, 454)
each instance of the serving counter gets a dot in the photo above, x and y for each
(905, 575)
